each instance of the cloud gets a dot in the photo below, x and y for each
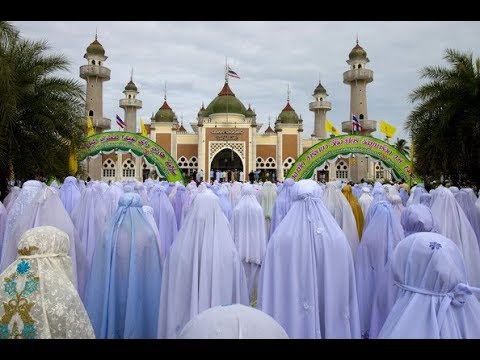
(190, 57)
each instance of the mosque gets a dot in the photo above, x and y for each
(226, 134)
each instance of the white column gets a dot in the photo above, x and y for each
(118, 173)
(173, 149)
(300, 146)
(201, 152)
(279, 159)
(138, 169)
(253, 158)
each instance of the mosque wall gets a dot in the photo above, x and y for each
(164, 140)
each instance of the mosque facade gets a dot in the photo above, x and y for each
(227, 135)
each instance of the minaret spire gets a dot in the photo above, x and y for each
(288, 92)
(357, 38)
(131, 74)
(165, 91)
(96, 32)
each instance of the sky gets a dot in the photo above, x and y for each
(189, 56)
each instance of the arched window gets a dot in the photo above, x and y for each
(359, 66)
(188, 165)
(93, 62)
(321, 99)
(129, 96)
(128, 168)
(99, 63)
(108, 168)
(379, 171)
(361, 116)
(90, 113)
(287, 163)
(353, 67)
(342, 169)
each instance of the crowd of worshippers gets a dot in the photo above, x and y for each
(291, 260)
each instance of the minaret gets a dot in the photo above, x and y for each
(95, 74)
(130, 104)
(358, 77)
(320, 107)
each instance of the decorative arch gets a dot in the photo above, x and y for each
(138, 145)
(238, 153)
(327, 149)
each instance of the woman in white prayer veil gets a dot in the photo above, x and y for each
(232, 322)
(89, 217)
(269, 195)
(341, 210)
(282, 204)
(47, 209)
(250, 235)
(38, 297)
(468, 207)
(10, 198)
(372, 261)
(70, 193)
(365, 200)
(307, 281)
(452, 223)
(393, 196)
(203, 268)
(434, 300)
(111, 196)
(21, 204)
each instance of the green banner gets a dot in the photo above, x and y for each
(139, 145)
(328, 149)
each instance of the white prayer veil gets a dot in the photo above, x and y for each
(232, 322)
(203, 268)
(38, 296)
(434, 299)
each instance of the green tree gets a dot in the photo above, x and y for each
(445, 124)
(401, 145)
(41, 114)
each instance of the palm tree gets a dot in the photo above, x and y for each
(40, 113)
(401, 145)
(445, 124)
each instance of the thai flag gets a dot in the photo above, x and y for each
(356, 124)
(232, 73)
(120, 122)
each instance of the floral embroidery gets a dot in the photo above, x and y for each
(23, 267)
(366, 335)
(19, 308)
(435, 246)
(27, 251)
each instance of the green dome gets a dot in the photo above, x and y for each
(225, 102)
(249, 112)
(131, 86)
(165, 114)
(288, 115)
(357, 53)
(320, 89)
(95, 48)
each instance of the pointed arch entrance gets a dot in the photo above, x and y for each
(225, 160)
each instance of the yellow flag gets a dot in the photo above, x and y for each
(143, 128)
(72, 161)
(387, 129)
(90, 129)
(330, 128)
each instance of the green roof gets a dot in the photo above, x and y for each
(320, 89)
(225, 102)
(95, 48)
(131, 86)
(165, 113)
(357, 53)
(288, 115)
